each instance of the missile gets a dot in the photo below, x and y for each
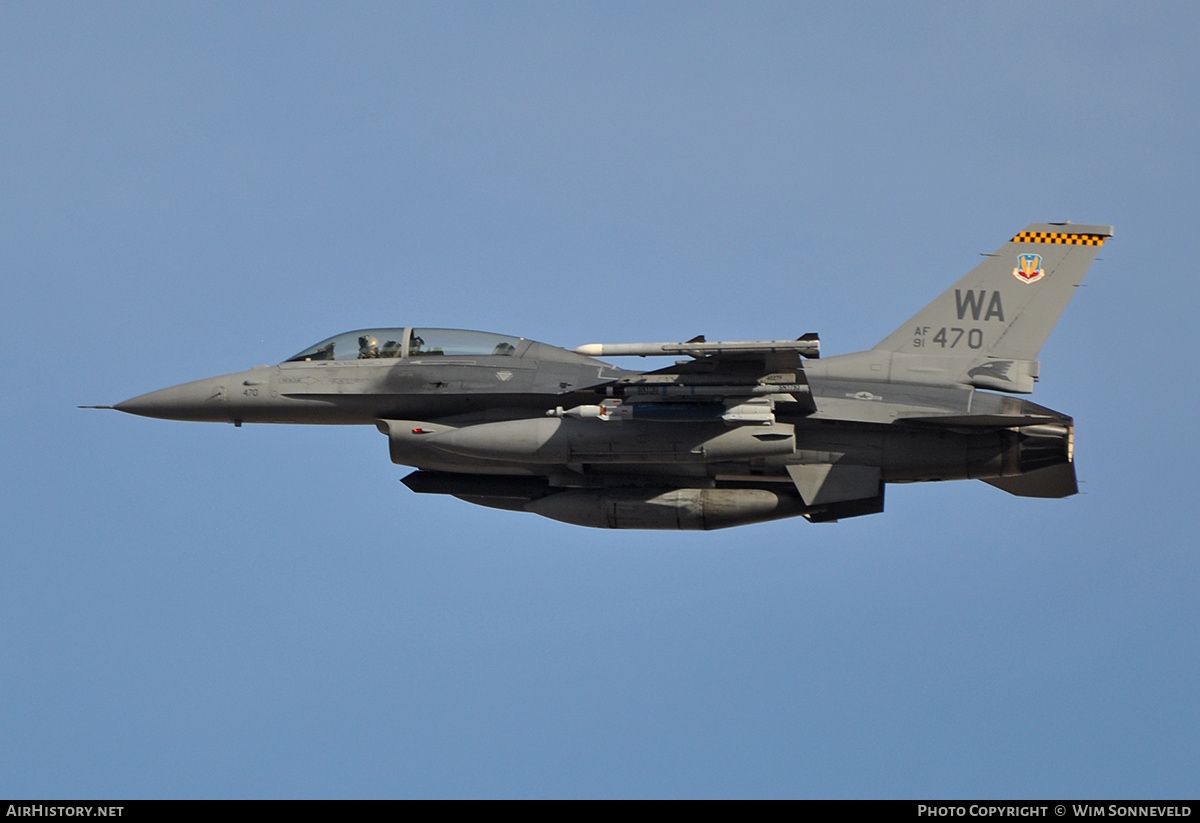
(808, 346)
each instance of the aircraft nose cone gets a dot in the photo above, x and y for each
(202, 400)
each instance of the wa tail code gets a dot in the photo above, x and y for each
(972, 301)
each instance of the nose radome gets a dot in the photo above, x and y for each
(202, 400)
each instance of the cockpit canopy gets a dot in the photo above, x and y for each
(372, 344)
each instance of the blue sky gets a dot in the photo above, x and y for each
(193, 610)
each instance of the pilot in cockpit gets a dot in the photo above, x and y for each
(368, 347)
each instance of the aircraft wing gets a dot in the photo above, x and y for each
(770, 372)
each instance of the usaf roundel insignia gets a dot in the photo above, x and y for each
(1029, 268)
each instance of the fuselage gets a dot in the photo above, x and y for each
(742, 432)
(490, 401)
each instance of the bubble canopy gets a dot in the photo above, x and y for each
(376, 344)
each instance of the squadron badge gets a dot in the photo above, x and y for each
(1029, 268)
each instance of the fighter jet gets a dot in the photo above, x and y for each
(731, 433)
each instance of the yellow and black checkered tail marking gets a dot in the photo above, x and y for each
(1068, 239)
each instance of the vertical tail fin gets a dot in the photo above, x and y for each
(1007, 305)
(987, 329)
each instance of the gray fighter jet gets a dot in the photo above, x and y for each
(732, 433)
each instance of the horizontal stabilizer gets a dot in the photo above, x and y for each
(1053, 482)
(986, 421)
